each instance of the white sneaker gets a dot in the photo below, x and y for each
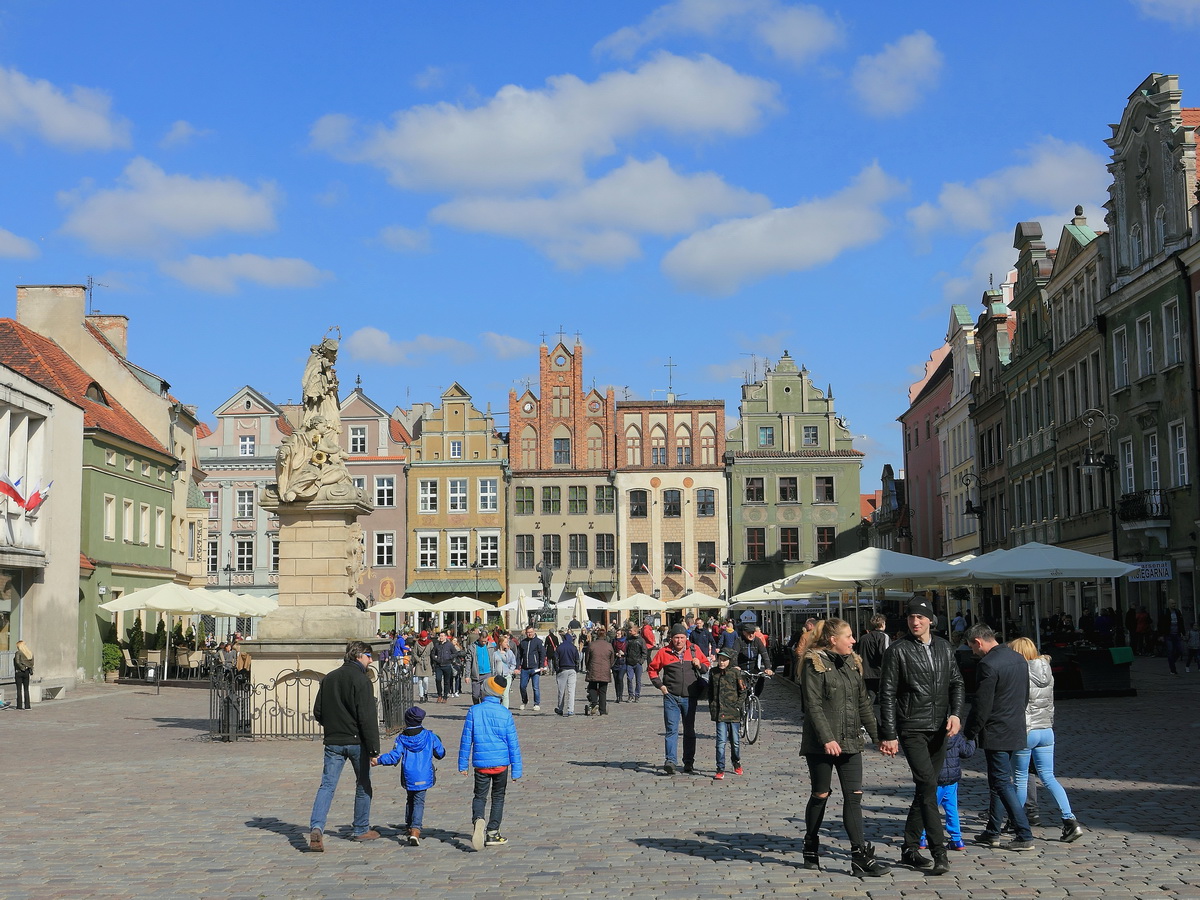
(521, 708)
(536, 708)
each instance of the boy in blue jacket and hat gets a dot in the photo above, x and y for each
(489, 743)
(416, 749)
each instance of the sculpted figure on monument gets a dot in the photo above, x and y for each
(356, 551)
(321, 384)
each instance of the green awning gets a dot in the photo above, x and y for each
(590, 586)
(465, 586)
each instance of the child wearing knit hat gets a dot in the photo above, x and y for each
(489, 745)
(415, 750)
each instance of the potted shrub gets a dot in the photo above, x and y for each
(110, 661)
(137, 639)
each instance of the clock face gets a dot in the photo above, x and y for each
(528, 407)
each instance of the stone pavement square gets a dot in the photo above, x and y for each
(116, 792)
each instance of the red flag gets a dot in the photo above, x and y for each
(9, 489)
(38, 497)
(684, 571)
(720, 571)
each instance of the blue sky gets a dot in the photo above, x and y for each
(707, 181)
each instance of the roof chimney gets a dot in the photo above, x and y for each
(115, 330)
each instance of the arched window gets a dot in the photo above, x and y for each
(633, 446)
(683, 446)
(529, 448)
(658, 446)
(562, 446)
(708, 446)
(1160, 229)
(595, 447)
(1135, 245)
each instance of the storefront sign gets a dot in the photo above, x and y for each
(1159, 570)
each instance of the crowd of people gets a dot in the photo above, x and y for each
(904, 695)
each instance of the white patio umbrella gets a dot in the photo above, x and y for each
(769, 591)
(873, 567)
(401, 605)
(697, 601)
(637, 602)
(462, 604)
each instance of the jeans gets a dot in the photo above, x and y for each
(566, 692)
(528, 675)
(443, 679)
(925, 752)
(498, 785)
(678, 710)
(850, 776)
(731, 733)
(618, 679)
(1174, 651)
(414, 809)
(421, 683)
(1004, 794)
(635, 680)
(336, 756)
(1040, 745)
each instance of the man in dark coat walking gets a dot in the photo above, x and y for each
(997, 724)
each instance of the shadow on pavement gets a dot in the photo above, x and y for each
(297, 836)
(627, 765)
(726, 847)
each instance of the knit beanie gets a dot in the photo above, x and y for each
(494, 686)
(413, 716)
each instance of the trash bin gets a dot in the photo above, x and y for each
(152, 672)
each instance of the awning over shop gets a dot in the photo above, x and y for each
(453, 586)
(592, 587)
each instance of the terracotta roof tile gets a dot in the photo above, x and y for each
(41, 360)
(85, 564)
(1191, 116)
(285, 427)
(202, 430)
(398, 433)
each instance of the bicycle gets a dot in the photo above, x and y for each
(752, 714)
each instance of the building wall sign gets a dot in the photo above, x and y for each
(1159, 570)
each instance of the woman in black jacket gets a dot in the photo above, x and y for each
(837, 708)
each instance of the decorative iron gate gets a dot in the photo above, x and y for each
(281, 708)
(395, 693)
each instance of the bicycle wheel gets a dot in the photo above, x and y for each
(753, 719)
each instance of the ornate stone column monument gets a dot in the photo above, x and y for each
(321, 550)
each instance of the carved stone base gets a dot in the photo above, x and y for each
(317, 623)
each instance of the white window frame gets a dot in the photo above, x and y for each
(127, 521)
(487, 549)
(213, 499)
(385, 549)
(385, 491)
(1153, 470)
(427, 550)
(358, 439)
(1125, 461)
(489, 494)
(1178, 449)
(458, 550)
(110, 517)
(805, 431)
(110, 457)
(212, 556)
(359, 482)
(246, 445)
(456, 449)
(160, 527)
(144, 524)
(1172, 346)
(243, 553)
(244, 507)
(427, 495)
(1120, 358)
(1145, 346)
(457, 495)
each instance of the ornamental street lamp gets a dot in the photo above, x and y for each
(1098, 461)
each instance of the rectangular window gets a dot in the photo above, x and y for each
(706, 503)
(754, 490)
(562, 451)
(193, 543)
(127, 534)
(789, 544)
(658, 456)
(810, 435)
(552, 550)
(145, 470)
(524, 501)
(1120, 359)
(245, 504)
(683, 455)
(577, 500)
(672, 504)
(637, 504)
(211, 557)
(244, 555)
(489, 496)
(110, 457)
(129, 464)
(457, 501)
(385, 490)
(1152, 472)
(826, 536)
(385, 548)
(456, 448)
(1179, 452)
(672, 556)
(213, 499)
(358, 438)
(639, 558)
(756, 544)
(823, 489)
(246, 445)
(551, 500)
(143, 534)
(1125, 458)
(525, 551)
(706, 557)
(577, 551)
(160, 528)
(359, 482)
(427, 551)
(606, 499)
(1145, 347)
(489, 551)
(789, 492)
(427, 493)
(606, 551)
(1172, 352)
(766, 436)
(457, 558)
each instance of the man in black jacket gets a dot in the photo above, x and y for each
(531, 660)
(345, 708)
(920, 705)
(997, 723)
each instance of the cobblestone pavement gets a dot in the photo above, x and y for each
(116, 792)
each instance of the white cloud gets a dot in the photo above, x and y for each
(522, 137)
(796, 33)
(894, 81)
(81, 120)
(150, 210)
(730, 254)
(13, 246)
(991, 257)
(599, 222)
(405, 240)
(370, 344)
(1179, 12)
(1056, 175)
(182, 133)
(222, 274)
(429, 78)
(504, 346)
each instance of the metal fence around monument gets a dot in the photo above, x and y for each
(281, 709)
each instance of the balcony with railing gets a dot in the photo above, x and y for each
(1147, 509)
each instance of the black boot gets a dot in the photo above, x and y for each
(863, 862)
(1071, 830)
(812, 852)
(912, 857)
(941, 865)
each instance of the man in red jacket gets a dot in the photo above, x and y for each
(676, 670)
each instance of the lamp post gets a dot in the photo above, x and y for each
(1095, 461)
(968, 479)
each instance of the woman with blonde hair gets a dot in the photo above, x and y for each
(837, 709)
(1039, 725)
(23, 671)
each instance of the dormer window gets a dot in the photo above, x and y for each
(96, 394)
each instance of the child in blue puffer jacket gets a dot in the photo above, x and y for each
(489, 745)
(415, 750)
(958, 748)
